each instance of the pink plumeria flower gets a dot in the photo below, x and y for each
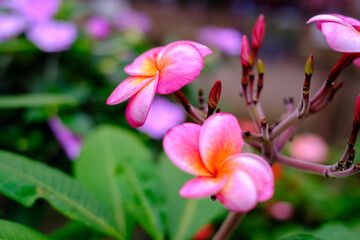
(52, 35)
(213, 153)
(11, 25)
(36, 10)
(309, 147)
(98, 28)
(281, 210)
(341, 32)
(162, 70)
(163, 115)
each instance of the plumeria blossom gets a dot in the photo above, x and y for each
(309, 147)
(160, 70)
(35, 17)
(213, 153)
(341, 32)
(163, 115)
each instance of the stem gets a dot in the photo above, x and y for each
(228, 225)
(188, 107)
(315, 168)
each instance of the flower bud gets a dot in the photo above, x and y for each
(245, 52)
(309, 66)
(258, 32)
(357, 110)
(260, 67)
(214, 95)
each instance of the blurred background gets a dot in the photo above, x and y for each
(85, 61)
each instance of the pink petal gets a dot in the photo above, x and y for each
(53, 36)
(179, 65)
(163, 116)
(202, 187)
(239, 193)
(204, 50)
(357, 62)
(11, 26)
(341, 38)
(327, 18)
(257, 168)
(139, 104)
(145, 64)
(181, 145)
(37, 10)
(127, 88)
(220, 137)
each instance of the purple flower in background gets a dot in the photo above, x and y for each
(98, 28)
(227, 40)
(163, 115)
(53, 36)
(11, 25)
(69, 142)
(42, 30)
(36, 10)
(132, 20)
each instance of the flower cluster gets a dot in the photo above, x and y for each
(212, 151)
(35, 17)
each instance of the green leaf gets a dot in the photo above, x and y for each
(185, 216)
(35, 100)
(118, 168)
(14, 231)
(301, 237)
(25, 181)
(75, 231)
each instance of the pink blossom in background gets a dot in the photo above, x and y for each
(35, 17)
(11, 25)
(162, 70)
(213, 153)
(281, 210)
(132, 20)
(69, 142)
(53, 36)
(36, 10)
(309, 147)
(163, 115)
(98, 28)
(227, 40)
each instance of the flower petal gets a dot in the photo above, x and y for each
(11, 26)
(139, 104)
(257, 168)
(179, 65)
(145, 64)
(181, 145)
(53, 36)
(239, 192)
(127, 88)
(341, 38)
(357, 62)
(204, 50)
(220, 137)
(202, 187)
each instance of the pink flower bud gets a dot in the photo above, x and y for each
(258, 32)
(357, 110)
(214, 95)
(245, 51)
